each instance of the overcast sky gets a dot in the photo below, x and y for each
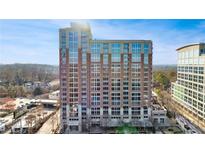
(36, 41)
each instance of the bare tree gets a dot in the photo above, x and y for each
(30, 120)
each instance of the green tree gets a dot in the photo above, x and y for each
(162, 79)
(172, 75)
(158, 92)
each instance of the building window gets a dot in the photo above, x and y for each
(115, 111)
(161, 120)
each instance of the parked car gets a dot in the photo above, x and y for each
(187, 127)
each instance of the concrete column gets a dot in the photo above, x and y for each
(121, 113)
(88, 112)
(88, 61)
(149, 112)
(121, 83)
(101, 112)
(130, 113)
(142, 78)
(109, 112)
(150, 76)
(101, 86)
(79, 118)
(142, 113)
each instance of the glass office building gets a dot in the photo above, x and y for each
(103, 82)
(189, 89)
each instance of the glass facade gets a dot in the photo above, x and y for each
(73, 47)
(136, 52)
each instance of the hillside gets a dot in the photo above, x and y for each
(27, 72)
(164, 67)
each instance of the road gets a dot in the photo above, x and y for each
(182, 121)
(50, 125)
(8, 119)
(167, 102)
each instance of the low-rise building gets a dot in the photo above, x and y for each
(54, 83)
(43, 85)
(31, 121)
(7, 104)
(22, 127)
(54, 95)
(28, 85)
(32, 85)
(20, 102)
(48, 103)
(159, 115)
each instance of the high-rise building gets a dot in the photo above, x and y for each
(189, 90)
(103, 82)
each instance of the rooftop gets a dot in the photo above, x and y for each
(22, 101)
(158, 107)
(189, 45)
(56, 92)
(54, 82)
(6, 100)
(109, 41)
(22, 123)
(50, 101)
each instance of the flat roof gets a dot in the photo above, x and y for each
(158, 107)
(51, 101)
(189, 45)
(22, 123)
(120, 40)
(6, 99)
(55, 92)
(22, 101)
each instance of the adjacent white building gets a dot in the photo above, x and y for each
(188, 92)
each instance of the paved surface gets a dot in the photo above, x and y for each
(182, 121)
(167, 102)
(50, 124)
(8, 132)
(8, 119)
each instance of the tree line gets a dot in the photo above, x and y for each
(162, 79)
(13, 77)
(17, 74)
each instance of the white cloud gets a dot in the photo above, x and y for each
(40, 38)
